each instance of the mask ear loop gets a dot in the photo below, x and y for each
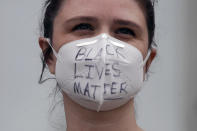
(52, 76)
(144, 63)
(147, 57)
(54, 52)
(148, 54)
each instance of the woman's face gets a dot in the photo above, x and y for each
(122, 19)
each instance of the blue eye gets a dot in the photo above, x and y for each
(125, 31)
(83, 26)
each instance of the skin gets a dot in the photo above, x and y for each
(103, 16)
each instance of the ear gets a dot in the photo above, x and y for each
(51, 61)
(151, 58)
(43, 43)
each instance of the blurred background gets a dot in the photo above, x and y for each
(168, 101)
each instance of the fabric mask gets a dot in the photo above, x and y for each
(100, 73)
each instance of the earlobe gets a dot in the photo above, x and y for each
(151, 58)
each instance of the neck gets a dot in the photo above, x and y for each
(81, 119)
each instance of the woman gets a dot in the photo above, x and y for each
(84, 38)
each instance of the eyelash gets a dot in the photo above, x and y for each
(89, 27)
(125, 31)
(83, 26)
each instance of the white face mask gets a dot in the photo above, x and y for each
(100, 73)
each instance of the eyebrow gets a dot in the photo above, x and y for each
(128, 23)
(82, 18)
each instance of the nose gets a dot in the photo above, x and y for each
(105, 29)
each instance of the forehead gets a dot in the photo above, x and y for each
(105, 9)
